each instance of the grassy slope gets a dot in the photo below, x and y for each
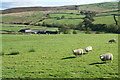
(66, 20)
(105, 17)
(53, 56)
(104, 20)
(34, 17)
(99, 6)
(108, 19)
(23, 17)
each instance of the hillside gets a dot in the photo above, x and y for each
(95, 7)
(25, 9)
(100, 6)
(103, 20)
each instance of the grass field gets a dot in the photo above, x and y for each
(107, 20)
(50, 56)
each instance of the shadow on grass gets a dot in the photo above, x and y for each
(13, 53)
(97, 63)
(69, 57)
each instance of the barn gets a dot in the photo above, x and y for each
(34, 31)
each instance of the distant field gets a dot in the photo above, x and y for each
(66, 15)
(68, 19)
(99, 6)
(39, 17)
(26, 18)
(63, 21)
(50, 56)
(71, 17)
(104, 20)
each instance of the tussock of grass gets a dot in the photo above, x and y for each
(31, 50)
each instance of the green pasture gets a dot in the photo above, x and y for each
(68, 19)
(66, 15)
(109, 12)
(62, 21)
(99, 6)
(104, 20)
(50, 56)
(7, 18)
(26, 17)
(68, 11)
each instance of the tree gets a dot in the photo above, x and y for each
(112, 28)
(87, 20)
(62, 17)
(118, 29)
(64, 30)
(47, 15)
(88, 29)
(116, 21)
(84, 12)
(58, 18)
(44, 24)
(74, 32)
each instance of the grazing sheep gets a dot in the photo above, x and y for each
(107, 56)
(89, 48)
(112, 40)
(78, 52)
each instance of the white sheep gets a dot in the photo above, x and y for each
(107, 56)
(78, 52)
(89, 48)
(112, 40)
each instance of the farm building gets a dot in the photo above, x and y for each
(24, 30)
(52, 32)
(33, 31)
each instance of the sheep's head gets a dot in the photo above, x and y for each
(86, 50)
(101, 57)
(72, 50)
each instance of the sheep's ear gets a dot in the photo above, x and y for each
(100, 56)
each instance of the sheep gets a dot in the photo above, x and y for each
(78, 52)
(112, 40)
(89, 48)
(107, 56)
